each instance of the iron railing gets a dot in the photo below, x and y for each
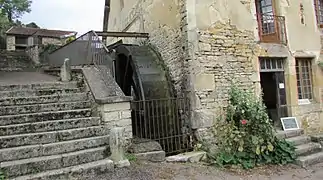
(98, 55)
(165, 121)
(272, 29)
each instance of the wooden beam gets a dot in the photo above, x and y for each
(105, 34)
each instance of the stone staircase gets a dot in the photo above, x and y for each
(308, 150)
(48, 131)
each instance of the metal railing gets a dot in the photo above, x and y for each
(98, 55)
(165, 121)
(272, 29)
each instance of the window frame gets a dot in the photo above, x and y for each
(318, 6)
(300, 64)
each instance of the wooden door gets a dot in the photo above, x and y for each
(268, 25)
(282, 110)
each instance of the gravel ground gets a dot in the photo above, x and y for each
(167, 171)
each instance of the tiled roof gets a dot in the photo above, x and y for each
(38, 32)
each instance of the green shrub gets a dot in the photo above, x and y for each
(246, 136)
(2, 175)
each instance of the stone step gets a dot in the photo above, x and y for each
(311, 159)
(37, 92)
(44, 116)
(73, 172)
(317, 138)
(27, 100)
(31, 151)
(53, 125)
(24, 109)
(51, 137)
(299, 140)
(42, 85)
(307, 149)
(44, 163)
(290, 133)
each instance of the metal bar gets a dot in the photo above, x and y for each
(106, 17)
(121, 34)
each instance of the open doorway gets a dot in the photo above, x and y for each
(272, 82)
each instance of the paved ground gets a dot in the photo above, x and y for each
(164, 171)
(25, 77)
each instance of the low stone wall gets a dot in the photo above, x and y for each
(309, 117)
(117, 114)
(112, 105)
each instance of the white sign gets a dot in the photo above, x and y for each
(281, 86)
(289, 123)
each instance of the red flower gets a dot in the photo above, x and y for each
(243, 121)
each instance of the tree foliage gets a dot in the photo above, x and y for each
(13, 9)
(32, 25)
(10, 12)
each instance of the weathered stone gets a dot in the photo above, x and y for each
(29, 166)
(51, 137)
(117, 143)
(49, 126)
(31, 151)
(298, 140)
(24, 109)
(39, 86)
(144, 146)
(74, 172)
(308, 149)
(192, 157)
(66, 71)
(153, 156)
(43, 99)
(44, 116)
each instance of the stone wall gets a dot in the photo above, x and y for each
(55, 41)
(310, 117)
(163, 21)
(224, 54)
(33, 53)
(117, 115)
(11, 43)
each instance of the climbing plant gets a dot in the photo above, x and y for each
(246, 135)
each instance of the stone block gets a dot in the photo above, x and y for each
(204, 82)
(66, 71)
(116, 106)
(154, 156)
(125, 114)
(192, 157)
(205, 47)
(123, 122)
(203, 118)
(111, 116)
(117, 143)
(143, 146)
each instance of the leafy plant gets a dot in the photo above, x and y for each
(131, 157)
(246, 135)
(2, 175)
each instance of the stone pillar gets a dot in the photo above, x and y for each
(66, 71)
(117, 145)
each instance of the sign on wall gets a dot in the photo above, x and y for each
(289, 123)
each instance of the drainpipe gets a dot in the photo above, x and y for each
(106, 18)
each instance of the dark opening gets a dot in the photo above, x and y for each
(124, 73)
(268, 85)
